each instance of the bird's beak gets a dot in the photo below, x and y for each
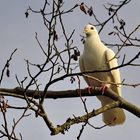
(85, 30)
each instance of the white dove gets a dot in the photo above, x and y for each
(96, 56)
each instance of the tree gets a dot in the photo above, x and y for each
(60, 62)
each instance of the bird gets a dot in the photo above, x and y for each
(96, 57)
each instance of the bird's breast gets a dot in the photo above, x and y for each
(94, 59)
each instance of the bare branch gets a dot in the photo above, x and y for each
(96, 91)
(7, 66)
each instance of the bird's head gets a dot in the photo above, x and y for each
(90, 30)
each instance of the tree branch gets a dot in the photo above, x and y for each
(96, 91)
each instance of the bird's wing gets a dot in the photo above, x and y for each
(81, 64)
(82, 68)
(115, 74)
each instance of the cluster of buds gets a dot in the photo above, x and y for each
(85, 9)
(72, 80)
(7, 70)
(122, 24)
(75, 55)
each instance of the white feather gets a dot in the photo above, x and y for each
(96, 56)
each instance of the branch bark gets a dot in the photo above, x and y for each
(20, 93)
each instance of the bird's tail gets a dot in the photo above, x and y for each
(113, 116)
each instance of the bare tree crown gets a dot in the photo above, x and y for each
(62, 63)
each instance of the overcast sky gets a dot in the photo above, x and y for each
(18, 32)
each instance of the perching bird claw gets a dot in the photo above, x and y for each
(103, 89)
(89, 88)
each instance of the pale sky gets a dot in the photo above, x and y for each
(18, 32)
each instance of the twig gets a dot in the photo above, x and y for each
(6, 65)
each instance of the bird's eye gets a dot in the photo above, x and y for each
(92, 28)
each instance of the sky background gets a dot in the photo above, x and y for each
(18, 32)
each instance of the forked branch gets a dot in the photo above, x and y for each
(96, 91)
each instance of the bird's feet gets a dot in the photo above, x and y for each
(90, 89)
(103, 88)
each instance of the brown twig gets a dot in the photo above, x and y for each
(6, 65)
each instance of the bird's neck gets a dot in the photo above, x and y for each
(93, 45)
(93, 40)
(93, 37)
